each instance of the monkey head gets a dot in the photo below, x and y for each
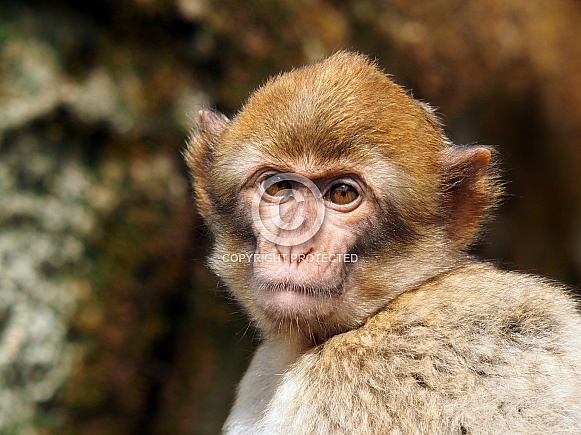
(331, 192)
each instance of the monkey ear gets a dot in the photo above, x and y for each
(199, 155)
(470, 190)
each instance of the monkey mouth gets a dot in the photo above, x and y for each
(298, 288)
(293, 300)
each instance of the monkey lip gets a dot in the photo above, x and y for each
(292, 287)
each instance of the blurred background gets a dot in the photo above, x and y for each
(109, 321)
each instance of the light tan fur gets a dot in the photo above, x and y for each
(416, 337)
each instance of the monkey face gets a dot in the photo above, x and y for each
(308, 241)
(300, 263)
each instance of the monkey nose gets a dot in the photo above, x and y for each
(291, 255)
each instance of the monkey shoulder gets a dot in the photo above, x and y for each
(474, 305)
(479, 347)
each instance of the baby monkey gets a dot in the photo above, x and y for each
(342, 216)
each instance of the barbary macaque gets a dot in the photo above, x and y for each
(342, 218)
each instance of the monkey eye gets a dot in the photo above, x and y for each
(342, 194)
(279, 188)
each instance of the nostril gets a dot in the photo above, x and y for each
(303, 257)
